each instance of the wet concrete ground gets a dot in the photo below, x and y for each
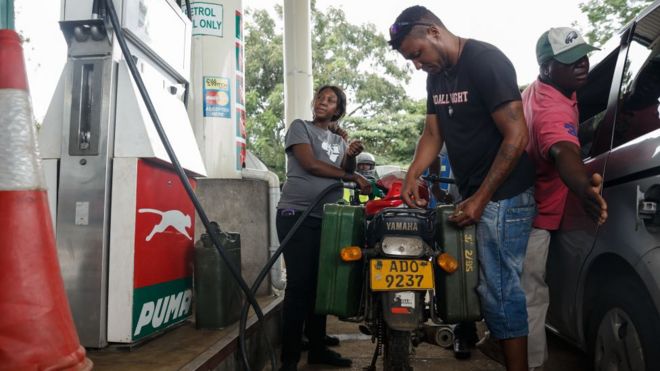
(358, 347)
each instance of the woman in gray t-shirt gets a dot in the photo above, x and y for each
(316, 158)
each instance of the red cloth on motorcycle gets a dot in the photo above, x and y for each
(391, 184)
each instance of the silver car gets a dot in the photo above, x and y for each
(605, 282)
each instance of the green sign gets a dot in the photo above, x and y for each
(159, 306)
(207, 19)
(7, 14)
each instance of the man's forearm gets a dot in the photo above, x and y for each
(571, 170)
(510, 122)
(505, 161)
(426, 152)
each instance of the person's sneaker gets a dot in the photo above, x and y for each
(327, 357)
(329, 341)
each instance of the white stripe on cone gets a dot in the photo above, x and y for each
(20, 166)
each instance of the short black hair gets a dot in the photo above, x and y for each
(341, 100)
(406, 20)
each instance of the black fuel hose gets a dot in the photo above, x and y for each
(273, 259)
(188, 10)
(180, 172)
(95, 8)
(186, 87)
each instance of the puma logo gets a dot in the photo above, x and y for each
(170, 218)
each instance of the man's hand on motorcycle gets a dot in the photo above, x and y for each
(410, 194)
(468, 212)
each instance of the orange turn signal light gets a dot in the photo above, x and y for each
(447, 262)
(351, 253)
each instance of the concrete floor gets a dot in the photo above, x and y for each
(186, 348)
(428, 357)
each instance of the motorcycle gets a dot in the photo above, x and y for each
(405, 266)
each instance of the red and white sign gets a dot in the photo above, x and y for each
(164, 228)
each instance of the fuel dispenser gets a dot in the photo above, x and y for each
(124, 225)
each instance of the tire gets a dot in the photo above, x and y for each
(623, 330)
(397, 351)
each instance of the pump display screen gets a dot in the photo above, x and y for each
(158, 25)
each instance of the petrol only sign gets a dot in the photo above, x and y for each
(207, 19)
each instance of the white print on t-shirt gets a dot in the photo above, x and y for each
(450, 98)
(332, 150)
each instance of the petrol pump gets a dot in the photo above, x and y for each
(124, 225)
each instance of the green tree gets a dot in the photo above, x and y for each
(264, 97)
(389, 135)
(607, 16)
(355, 57)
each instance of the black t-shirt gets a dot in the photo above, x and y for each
(463, 99)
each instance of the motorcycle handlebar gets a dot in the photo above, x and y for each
(438, 179)
(350, 185)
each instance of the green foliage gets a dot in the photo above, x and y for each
(264, 97)
(390, 136)
(607, 16)
(355, 57)
(359, 60)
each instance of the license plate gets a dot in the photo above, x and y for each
(400, 274)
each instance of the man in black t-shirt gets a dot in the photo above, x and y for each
(474, 107)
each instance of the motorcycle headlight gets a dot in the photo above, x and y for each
(403, 245)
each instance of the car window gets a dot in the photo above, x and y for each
(592, 104)
(638, 102)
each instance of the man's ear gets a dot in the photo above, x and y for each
(544, 70)
(433, 32)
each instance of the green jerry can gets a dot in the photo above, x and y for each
(218, 296)
(456, 293)
(339, 287)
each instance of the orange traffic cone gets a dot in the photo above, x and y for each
(36, 328)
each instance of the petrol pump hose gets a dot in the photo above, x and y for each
(182, 175)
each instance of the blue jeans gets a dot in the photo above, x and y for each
(502, 235)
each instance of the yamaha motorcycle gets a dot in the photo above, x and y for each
(402, 262)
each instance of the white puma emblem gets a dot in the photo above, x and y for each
(173, 218)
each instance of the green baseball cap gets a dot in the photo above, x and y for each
(563, 44)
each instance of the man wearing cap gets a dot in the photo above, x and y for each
(551, 113)
(474, 107)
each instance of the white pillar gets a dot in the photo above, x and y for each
(298, 77)
(217, 99)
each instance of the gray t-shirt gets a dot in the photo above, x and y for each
(301, 187)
